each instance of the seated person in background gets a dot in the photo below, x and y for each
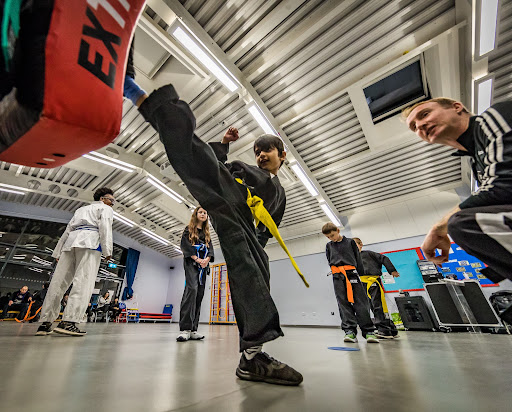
(104, 303)
(64, 302)
(38, 299)
(5, 299)
(19, 301)
(88, 312)
(115, 309)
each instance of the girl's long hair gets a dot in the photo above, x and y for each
(193, 234)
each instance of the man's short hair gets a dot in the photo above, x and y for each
(357, 240)
(442, 101)
(328, 228)
(267, 142)
(102, 191)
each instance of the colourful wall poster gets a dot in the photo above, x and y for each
(410, 275)
(463, 266)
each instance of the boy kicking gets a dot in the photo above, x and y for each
(222, 189)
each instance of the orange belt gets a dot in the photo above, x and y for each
(343, 269)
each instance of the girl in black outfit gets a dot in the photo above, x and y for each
(197, 249)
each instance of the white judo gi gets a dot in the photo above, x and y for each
(79, 261)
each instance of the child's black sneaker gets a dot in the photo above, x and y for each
(384, 335)
(69, 328)
(264, 368)
(44, 329)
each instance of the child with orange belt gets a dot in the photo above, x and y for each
(345, 262)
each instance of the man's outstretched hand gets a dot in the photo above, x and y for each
(435, 240)
(231, 135)
(438, 238)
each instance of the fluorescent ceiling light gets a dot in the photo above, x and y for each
(124, 220)
(484, 95)
(12, 189)
(155, 236)
(261, 119)
(330, 214)
(488, 22)
(177, 249)
(117, 162)
(206, 60)
(168, 191)
(304, 179)
(109, 163)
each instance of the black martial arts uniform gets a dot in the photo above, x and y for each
(373, 263)
(483, 227)
(195, 280)
(341, 254)
(214, 186)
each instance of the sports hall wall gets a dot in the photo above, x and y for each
(396, 226)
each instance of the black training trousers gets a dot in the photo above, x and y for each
(357, 313)
(190, 308)
(382, 321)
(209, 181)
(486, 233)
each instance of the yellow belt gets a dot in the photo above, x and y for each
(370, 280)
(260, 214)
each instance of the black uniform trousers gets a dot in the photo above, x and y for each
(190, 308)
(486, 233)
(382, 322)
(357, 313)
(210, 182)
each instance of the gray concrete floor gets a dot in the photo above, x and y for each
(140, 367)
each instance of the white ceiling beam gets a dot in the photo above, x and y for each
(166, 41)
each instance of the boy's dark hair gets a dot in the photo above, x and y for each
(102, 191)
(268, 142)
(328, 228)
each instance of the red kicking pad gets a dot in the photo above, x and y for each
(79, 92)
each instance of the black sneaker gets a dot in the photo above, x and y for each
(69, 328)
(264, 368)
(44, 329)
(384, 335)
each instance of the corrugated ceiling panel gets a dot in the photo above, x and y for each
(330, 133)
(160, 217)
(412, 168)
(300, 207)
